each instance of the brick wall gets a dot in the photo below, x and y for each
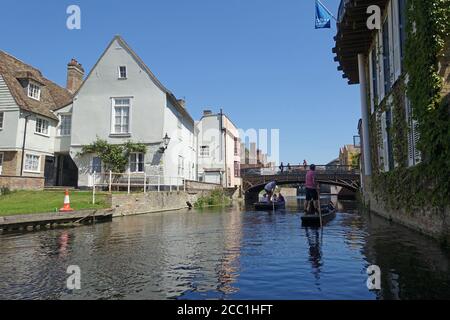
(22, 183)
(10, 163)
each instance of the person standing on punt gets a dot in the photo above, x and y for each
(270, 189)
(312, 196)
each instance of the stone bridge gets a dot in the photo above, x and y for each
(254, 180)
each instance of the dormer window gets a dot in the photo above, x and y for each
(122, 72)
(34, 91)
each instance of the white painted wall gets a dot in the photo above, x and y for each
(92, 107)
(210, 135)
(151, 116)
(183, 143)
(11, 113)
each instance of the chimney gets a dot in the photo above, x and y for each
(75, 75)
(207, 113)
(182, 103)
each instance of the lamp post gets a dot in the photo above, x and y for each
(166, 141)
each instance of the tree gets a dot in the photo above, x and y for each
(114, 156)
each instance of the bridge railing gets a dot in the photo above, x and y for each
(299, 169)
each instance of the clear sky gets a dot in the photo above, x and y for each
(262, 61)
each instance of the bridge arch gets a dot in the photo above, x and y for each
(253, 184)
(347, 185)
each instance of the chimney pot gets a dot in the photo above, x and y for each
(182, 102)
(75, 75)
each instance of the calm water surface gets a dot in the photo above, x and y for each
(226, 254)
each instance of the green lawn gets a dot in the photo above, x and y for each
(25, 202)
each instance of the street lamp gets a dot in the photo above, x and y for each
(166, 141)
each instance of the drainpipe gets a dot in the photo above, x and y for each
(224, 131)
(364, 115)
(23, 144)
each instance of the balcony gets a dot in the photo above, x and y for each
(353, 36)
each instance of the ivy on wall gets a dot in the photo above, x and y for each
(115, 157)
(428, 183)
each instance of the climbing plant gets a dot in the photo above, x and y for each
(399, 129)
(428, 30)
(114, 157)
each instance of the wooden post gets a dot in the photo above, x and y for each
(129, 182)
(93, 189)
(110, 181)
(145, 182)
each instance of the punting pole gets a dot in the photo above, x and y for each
(320, 208)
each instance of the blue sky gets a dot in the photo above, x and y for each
(262, 61)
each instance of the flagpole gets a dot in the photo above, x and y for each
(331, 14)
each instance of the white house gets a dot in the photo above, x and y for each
(219, 146)
(29, 125)
(121, 100)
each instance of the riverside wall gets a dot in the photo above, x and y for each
(434, 222)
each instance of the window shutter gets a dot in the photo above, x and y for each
(416, 136)
(380, 142)
(372, 89)
(385, 152)
(381, 66)
(396, 40)
(410, 133)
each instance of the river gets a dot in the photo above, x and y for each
(225, 254)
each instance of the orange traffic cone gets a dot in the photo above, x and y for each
(66, 207)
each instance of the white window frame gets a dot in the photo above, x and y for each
(2, 158)
(38, 163)
(237, 169)
(93, 167)
(113, 116)
(180, 166)
(60, 134)
(237, 147)
(137, 162)
(44, 121)
(34, 91)
(2, 119)
(120, 73)
(202, 153)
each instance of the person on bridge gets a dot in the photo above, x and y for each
(312, 195)
(270, 189)
(281, 167)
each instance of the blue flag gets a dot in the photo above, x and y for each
(323, 16)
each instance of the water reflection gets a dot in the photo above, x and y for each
(314, 237)
(225, 254)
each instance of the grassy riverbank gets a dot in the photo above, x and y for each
(216, 199)
(28, 202)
